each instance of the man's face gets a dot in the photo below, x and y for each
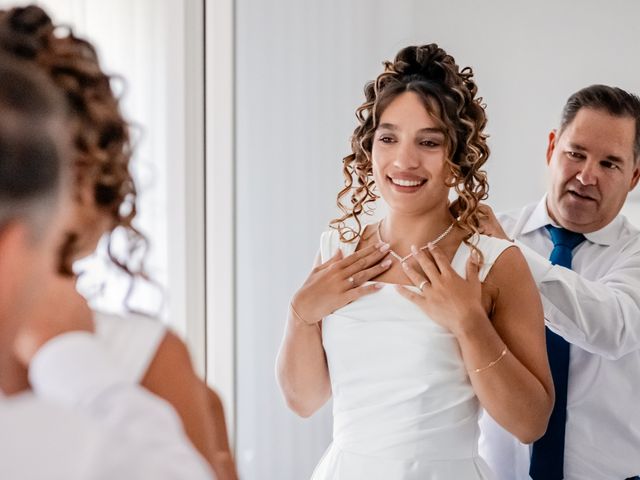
(592, 169)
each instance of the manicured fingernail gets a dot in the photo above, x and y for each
(414, 249)
(384, 247)
(378, 285)
(386, 263)
(379, 244)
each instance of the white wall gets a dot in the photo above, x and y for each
(300, 69)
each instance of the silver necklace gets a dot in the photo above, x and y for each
(432, 242)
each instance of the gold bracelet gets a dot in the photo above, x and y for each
(298, 316)
(491, 364)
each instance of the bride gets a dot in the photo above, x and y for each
(416, 322)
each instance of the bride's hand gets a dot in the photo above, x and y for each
(446, 297)
(339, 281)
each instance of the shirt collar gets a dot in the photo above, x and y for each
(539, 218)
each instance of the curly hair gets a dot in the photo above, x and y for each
(101, 140)
(449, 95)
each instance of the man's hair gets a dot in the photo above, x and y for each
(613, 100)
(31, 168)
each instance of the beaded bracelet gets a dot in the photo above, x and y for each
(491, 364)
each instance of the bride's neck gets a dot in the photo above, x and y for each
(402, 231)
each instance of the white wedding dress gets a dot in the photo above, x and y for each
(132, 341)
(403, 405)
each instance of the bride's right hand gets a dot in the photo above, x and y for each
(339, 281)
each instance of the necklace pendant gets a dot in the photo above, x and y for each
(398, 257)
(433, 242)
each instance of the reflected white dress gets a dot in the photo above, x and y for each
(403, 405)
(131, 340)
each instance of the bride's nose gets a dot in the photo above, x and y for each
(406, 156)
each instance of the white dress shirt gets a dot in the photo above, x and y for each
(85, 420)
(595, 306)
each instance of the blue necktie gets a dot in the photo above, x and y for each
(547, 458)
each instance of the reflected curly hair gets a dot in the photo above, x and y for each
(102, 148)
(449, 95)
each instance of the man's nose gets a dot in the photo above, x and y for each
(588, 174)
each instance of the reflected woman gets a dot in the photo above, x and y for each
(417, 321)
(105, 202)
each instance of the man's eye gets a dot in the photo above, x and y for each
(609, 165)
(576, 155)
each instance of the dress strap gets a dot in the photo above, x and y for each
(330, 243)
(491, 248)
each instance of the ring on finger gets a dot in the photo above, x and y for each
(422, 284)
(351, 280)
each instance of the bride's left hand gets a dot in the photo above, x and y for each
(448, 299)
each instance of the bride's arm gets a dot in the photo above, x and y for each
(506, 355)
(171, 376)
(301, 367)
(518, 390)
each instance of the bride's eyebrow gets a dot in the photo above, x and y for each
(391, 126)
(431, 130)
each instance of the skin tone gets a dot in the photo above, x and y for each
(27, 286)
(592, 168)
(409, 169)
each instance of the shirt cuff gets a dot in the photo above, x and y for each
(538, 264)
(73, 368)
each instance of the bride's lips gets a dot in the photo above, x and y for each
(406, 183)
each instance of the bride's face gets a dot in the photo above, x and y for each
(408, 156)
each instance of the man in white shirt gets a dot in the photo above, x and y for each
(585, 258)
(77, 417)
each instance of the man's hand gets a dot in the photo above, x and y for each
(489, 224)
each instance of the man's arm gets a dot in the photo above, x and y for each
(601, 317)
